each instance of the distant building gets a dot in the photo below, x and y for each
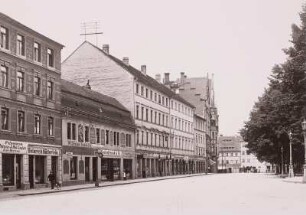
(30, 120)
(229, 159)
(98, 136)
(250, 163)
(200, 93)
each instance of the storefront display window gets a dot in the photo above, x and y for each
(73, 168)
(39, 169)
(8, 169)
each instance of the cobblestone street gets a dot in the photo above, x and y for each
(211, 194)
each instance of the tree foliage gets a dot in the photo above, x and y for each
(281, 108)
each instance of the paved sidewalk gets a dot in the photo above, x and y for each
(41, 191)
(294, 179)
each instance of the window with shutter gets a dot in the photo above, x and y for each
(123, 143)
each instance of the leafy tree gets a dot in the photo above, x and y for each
(282, 107)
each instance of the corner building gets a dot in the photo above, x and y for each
(98, 137)
(30, 121)
(147, 99)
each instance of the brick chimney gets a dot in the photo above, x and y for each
(126, 61)
(167, 78)
(105, 48)
(158, 78)
(182, 80)
(144, 69)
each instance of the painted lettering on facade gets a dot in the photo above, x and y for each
(40, 150)
(7, 146)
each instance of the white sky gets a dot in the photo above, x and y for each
(237, 40)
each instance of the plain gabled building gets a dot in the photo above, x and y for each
(98, 136)
(30, 130)
(147, 99)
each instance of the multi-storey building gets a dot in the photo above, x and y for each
(98, 136)
(182, 138)
(229, 159)
(200, 93)
(30, 130)
(147, 99)
(200, 143)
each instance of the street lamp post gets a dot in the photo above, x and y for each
(304, 133)
(291, 173)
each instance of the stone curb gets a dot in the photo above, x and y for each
(110, 185)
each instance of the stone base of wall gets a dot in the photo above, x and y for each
(76, 182)
(25, 186)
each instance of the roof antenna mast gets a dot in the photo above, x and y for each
(91, 28)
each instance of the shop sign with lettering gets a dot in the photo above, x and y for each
(111, 153)
(7, 146)
(42, 150)
(78, 144)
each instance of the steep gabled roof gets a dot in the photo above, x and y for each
(69, 87)
(145, 79)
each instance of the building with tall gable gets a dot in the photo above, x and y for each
(162, 147)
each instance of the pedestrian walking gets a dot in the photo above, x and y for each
(124, 175)
(51, 178)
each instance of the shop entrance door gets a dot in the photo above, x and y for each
(94, 169)
(54, 166)
(86, 169)
(18, 171)
(31, 170)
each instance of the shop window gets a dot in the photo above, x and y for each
(50, 126)
(37, 84)
(4, 76)
(73, 168)
(66, 166)
(102, 137)
(21, 121)
(37, 122)
(80, 133)
(4, 38)
(8, 169)
(39, 169)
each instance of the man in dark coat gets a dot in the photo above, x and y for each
(51, 178)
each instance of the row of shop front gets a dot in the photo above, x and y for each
(26, 165)
(157, 165)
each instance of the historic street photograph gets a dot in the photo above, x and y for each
(153, 107)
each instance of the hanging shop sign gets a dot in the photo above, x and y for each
(78, 144)
(7, 146)
(42, 150)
